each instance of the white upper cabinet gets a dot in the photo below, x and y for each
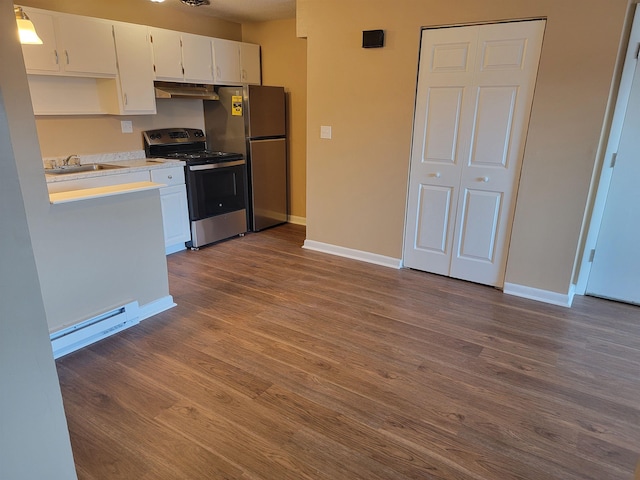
(72, 45)
(136, 94)
(167, 54)
(43, 58)
(250, 63)
(226, 62)
(67, 72)
(87, 45)
(197, 58)
(181, 57)
(235, 63)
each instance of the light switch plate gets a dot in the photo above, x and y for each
(325, 131)
(127, 126)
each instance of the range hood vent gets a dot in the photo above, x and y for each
(185, 90)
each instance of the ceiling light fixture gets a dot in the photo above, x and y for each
(196, 3)
(27, 31)
(157, 1)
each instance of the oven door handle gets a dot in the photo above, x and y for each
(211, 166)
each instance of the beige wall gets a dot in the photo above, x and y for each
(89, 134)
(357, 182)
(284, 62)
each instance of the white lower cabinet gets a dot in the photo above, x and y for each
(175, 213)
(173, 198)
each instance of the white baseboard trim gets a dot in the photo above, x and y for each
(353, 254)
(553, 298)
(156, 307)
(297, 220)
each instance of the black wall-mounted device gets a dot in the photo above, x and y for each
(372, 38)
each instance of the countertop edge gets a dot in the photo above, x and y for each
(100, 192)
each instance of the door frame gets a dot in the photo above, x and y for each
(603, 170)
(517, 183)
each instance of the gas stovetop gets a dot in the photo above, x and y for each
(187, 144)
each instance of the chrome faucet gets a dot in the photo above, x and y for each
(75, 158)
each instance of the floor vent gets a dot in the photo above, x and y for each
(85, 333)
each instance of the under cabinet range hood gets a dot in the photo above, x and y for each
(185, 90)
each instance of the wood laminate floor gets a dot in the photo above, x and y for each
(283, 363)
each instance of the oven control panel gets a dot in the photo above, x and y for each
(165, 136)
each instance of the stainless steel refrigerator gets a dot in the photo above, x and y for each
(252, 120)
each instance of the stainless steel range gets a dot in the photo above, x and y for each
(216, 183)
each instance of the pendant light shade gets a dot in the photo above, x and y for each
(26, 29)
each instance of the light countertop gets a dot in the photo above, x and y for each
(100, 192)
(131, 165)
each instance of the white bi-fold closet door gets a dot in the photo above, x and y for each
(474, 96)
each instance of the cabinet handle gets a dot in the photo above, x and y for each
(218, 72)
(55, 52)
(126, 99)
(66, 53)
(170, 177)
(244, 74)
(485, 179)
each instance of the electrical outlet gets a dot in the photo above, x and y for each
(325, 131)
(127, 126)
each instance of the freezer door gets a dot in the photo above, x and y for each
(266, 111)
(268, 172)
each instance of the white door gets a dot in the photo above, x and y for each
(475, 90)
(615, 272)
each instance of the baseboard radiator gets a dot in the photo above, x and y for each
(85, 333)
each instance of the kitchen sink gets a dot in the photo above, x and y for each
(94, 167)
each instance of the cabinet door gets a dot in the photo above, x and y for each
(87, 46)
(197, 59)
(42, 58)
(226, 61)
(175, 217)
(250, 63)
(167, 54)
(135, 69)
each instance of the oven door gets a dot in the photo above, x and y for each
(215, 188)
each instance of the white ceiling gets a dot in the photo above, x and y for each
(242, 10)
